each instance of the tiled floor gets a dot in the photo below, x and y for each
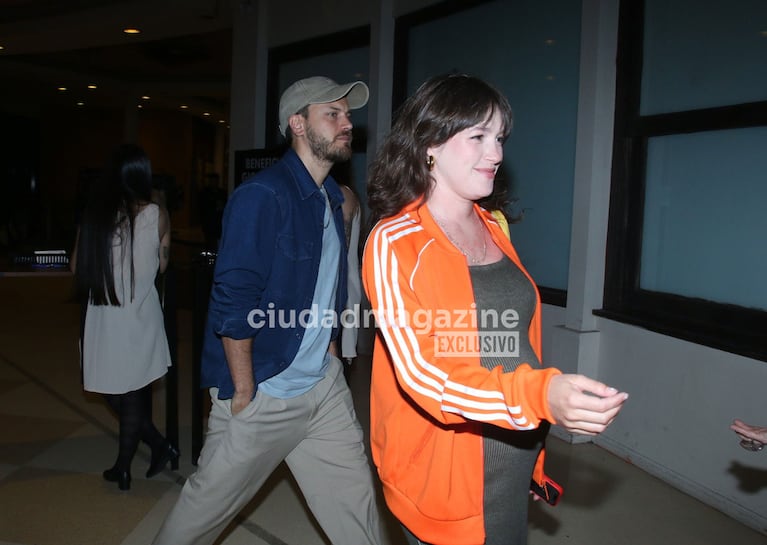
(56, 440)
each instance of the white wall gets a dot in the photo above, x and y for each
(675, 424)
(683, 396)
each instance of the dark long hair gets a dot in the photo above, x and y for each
(441, 107)
(113, 201)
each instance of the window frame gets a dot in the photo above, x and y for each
(727, 327)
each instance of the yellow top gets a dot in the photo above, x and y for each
(502, 221)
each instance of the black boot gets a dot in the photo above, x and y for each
(114, 475)
(160, 457)
(130, 412)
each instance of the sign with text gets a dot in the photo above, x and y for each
(249, 162)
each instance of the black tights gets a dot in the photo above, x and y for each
(134, 411)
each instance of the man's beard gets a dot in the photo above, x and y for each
(327, 150)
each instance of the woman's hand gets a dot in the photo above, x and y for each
(583, 405)
(747, 431)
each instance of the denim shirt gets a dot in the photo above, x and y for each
(267, 266)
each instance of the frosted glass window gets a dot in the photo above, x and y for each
(705, 226)
(530, 50)
(703, 54)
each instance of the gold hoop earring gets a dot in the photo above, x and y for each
(430, 162)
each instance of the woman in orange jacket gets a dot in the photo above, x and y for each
(460, 403)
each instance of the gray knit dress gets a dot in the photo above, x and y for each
(509, 456)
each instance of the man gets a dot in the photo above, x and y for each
(269, 356)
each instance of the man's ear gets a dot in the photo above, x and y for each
(297, 124)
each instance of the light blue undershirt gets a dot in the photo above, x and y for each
(312, 359)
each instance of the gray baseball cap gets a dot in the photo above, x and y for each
(319, 90)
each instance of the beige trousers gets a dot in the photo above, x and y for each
(317, 434)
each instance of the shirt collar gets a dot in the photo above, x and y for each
(305, 183)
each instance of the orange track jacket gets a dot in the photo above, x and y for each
(429, 392)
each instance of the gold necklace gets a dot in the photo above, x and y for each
(473, 260)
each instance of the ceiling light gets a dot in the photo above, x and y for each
(130, 30)
(184, 107)
(221, 121)
(145, 97)
(206, 114)
(1, 47)
(81, 103)
(61, 88)
(91, 86)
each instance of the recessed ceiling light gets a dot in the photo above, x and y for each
(91, 86)
(184, 107)
(145, 97)
(61, 89)
(1, 47)
(140, 106)
(206, 114)
(131, 30)
(81, 103)
(221, 121)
